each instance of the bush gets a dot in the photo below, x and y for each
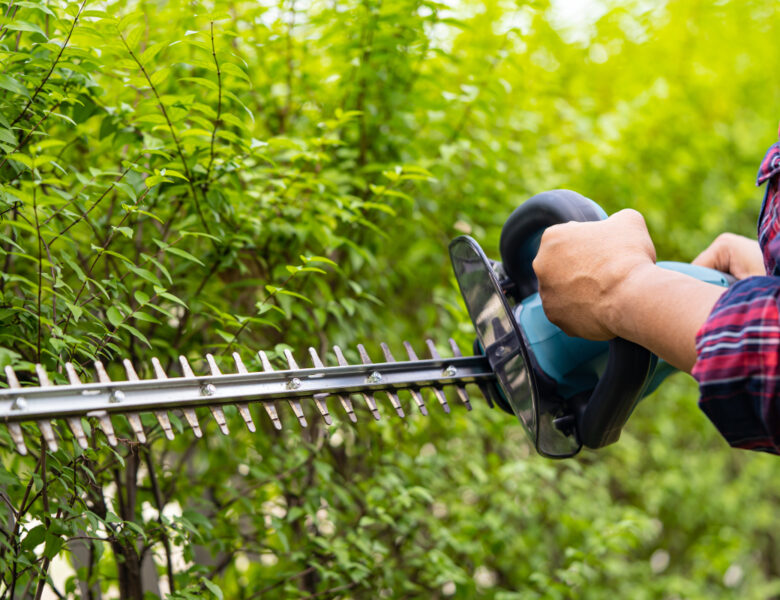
(179, 178)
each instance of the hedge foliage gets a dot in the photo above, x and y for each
(186, 177)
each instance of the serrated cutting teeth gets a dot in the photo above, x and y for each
(243, 409)
(269, 407)
(319, 399)
(74, 423)
(208, 389)
(346, 403)
(367, 396)
(294, 403)
(392, 396)
(45, 427)
(189, 413)
(100, 400)
(416, 395)
(460, 389)
(436, 391)
(162, 416)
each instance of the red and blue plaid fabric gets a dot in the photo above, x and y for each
(738, 347)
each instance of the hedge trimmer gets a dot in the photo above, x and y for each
(567, 392)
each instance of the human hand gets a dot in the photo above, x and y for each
(582, 268)
(734, 254)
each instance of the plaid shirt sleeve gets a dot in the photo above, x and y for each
(738, 347)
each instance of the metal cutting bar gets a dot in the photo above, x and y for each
(122, 397)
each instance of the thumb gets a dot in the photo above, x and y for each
(714, 258)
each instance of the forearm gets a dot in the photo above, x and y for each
(662, 310)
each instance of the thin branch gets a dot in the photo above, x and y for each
(29, 134)
(260, 306)
(89, 210)
(108, 241)
(259, 594)
(164, 112)
(53, 65)
(218, 120)
(46, 520)
(40, 281)
(159, 503)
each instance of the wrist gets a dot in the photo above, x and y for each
(627, 295)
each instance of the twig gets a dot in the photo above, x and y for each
(219, 106)
(85, 213)
(29, 134)
(40, 284)
(108, 241)
(173, 133)
(54, 64)
(46, 520)
(158, 502)
(259, 594)
(261, 305)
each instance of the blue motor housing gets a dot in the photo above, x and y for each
(576, 364)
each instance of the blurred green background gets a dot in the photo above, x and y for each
(186, 177)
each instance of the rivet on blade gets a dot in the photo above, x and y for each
(269, 407)
(369, 398)
(437, 391)
(294, 403)
(346, 403)
(209, 389)
(418, 399)
(461, 389)
(189, 413)
(376, 377)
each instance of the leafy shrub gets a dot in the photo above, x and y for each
(179, 178)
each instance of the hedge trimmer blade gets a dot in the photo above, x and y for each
(105, 398)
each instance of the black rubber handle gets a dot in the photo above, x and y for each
(602, 417)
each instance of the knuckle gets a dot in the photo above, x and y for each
(635, 217)
(724, 239)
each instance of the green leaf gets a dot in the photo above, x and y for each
(7, 136)
(183, 254)
(34, 537)
(154, 180)
(212, 587)
(10, 84)
(24, 26)
(137, 334)
(125, 231)
(77, 311)
(114, 316)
